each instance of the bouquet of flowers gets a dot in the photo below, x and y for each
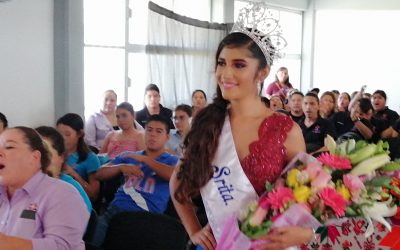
(327, 190)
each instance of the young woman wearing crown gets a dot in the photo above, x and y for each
(236, 143)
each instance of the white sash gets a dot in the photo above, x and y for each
(229, 190)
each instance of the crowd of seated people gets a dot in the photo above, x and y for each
(142, 158)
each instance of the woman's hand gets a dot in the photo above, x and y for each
(284, 237)
(204, 238)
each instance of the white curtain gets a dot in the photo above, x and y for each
(181, 54)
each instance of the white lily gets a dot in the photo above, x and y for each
(377, 212)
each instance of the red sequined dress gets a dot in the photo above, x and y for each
(267, 155)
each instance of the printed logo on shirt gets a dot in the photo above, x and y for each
(135, 182)
(29, 212)
(317, 130)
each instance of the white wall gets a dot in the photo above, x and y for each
(26, 62)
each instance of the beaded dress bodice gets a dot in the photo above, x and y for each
(267, 155)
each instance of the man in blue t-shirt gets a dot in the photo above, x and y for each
(146, 173)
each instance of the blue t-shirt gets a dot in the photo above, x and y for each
(73, 182)
(86, 167)
(147, 193)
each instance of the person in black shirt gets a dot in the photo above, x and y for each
(314, 128)
(385, 115)
(153, 107)
(295, 100)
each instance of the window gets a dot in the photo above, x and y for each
(353, 48)
(115, 54)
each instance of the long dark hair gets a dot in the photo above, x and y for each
(201, 142)
(75, 122)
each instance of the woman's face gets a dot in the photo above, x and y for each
(125, 119)
(343, 101)
(71, 137)
(275, 103)
(181, 120)
(18, 162)
(237, 74)
(282, 75)
(198, 100)
(327, 103)
(110, 102)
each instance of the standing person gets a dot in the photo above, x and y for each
(199, 101)
(3, 122)
(81, 163)
(153, 107)
(126, 139)
(36, 211)
(295, 101)
(103, 122)
(182, 119)
(281, 85)
(237, 131)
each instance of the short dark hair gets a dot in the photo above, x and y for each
(127, 106)
(158, 118)
(381, 93)
(295, 92)
(184, 108)
(365, 105)
(57, 140)
(312, 94)
(152, 87)
(3, 119)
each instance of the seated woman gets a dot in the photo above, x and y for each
(182, 118)
(56, 147)
(35, 213)
(80, 163)
(199, 101)
(126, 139)
(343, 102)
(327, 105)
(101, 123)
(3, 122)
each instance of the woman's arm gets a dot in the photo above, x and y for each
(90, 131)
(141, 143)
(104, 147)
(198, 235)
(91, 186)
(294, 142)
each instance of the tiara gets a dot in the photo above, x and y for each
(262, 26)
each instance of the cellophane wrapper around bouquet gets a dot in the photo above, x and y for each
(349, 180)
